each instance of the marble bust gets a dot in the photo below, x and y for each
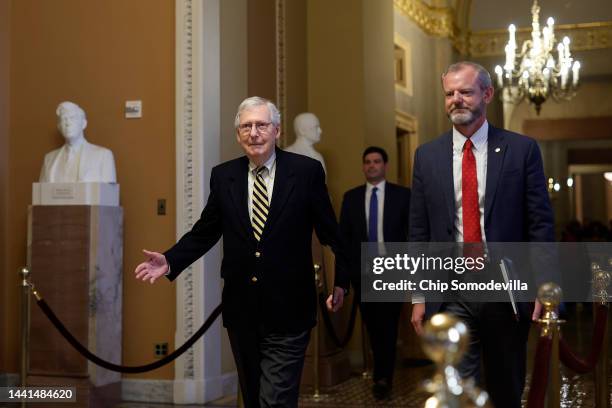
(308, 132)
(77, 160)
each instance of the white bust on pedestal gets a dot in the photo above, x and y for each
(78, 173)
(77, 160)
(308, 132)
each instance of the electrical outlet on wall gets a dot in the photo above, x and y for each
(161, 206)
(161, 350)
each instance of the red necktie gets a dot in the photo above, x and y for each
(469, 192)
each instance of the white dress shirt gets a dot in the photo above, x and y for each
(268, 177)
(479, 148)
(380, 195)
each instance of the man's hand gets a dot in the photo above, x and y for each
(537, 310)
(418, 314)
(334, 301)
(154, 267)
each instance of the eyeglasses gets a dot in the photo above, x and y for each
(261, 127)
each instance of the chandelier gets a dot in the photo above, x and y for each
(532, 72)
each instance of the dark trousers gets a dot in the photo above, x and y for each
(501, 340)
(381, 320)
(269, 365)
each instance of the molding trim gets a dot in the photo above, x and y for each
(435, 21)
(406, 121)
(585, 37)
(281, 77)
(186, 183)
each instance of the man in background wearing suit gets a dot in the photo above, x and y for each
(477, 183)
(377, 211)
(265, 205)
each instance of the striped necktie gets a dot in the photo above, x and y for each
(260, 203)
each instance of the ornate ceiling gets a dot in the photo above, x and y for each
(478, 28)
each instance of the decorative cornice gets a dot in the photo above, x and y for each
(586, 36)
(281, 79)
(436, 21)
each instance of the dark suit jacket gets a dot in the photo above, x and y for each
(517, 207)
(354, 228)
(270, 282)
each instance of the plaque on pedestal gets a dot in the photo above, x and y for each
(75, 194)
(75, 256)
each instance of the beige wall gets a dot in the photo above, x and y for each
(98, 54)
(342, 37)
(350, 89)
(430, 57)
(296, 64)
(379, 81)
(261, 53)
(4, 145)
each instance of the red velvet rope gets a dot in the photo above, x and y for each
(539, 376)
(576, 363)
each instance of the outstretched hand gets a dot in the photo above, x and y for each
(154, 267)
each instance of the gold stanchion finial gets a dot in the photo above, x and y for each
(445, 341)
(601, 283)
(549, 295)
(318, 280)
(25, 276)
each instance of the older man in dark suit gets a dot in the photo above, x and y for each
(477, 184)
(377, 211)
(265, 206)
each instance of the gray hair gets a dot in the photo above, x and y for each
(484, 78)
(69, 106)
(255, 101)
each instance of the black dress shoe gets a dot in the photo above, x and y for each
(381, 389)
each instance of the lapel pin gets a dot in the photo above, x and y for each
(497, 150)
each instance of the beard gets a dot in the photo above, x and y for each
(462, 115)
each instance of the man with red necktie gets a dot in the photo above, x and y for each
(477, 184)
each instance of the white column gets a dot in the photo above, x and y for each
(198, 377)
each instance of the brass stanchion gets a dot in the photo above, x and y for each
(25, 324)
(365, 351)
(316, 381)
(239, 400)
(445, 341)
(601, 282)
(549, 295)
(25, 327)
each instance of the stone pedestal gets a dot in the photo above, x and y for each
(75, 255)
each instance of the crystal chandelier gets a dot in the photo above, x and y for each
(531, 72)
